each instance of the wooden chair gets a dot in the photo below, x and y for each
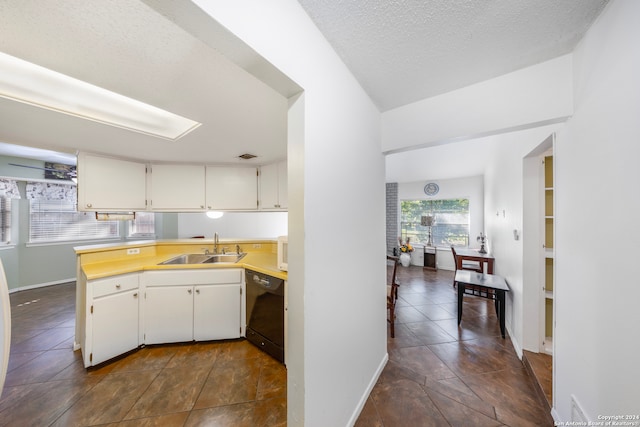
(392, 291)
(466, 265)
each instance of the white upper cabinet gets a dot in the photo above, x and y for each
(113, 185)
(273, 186)
(177, 187)
(232, 188)
(107, 184)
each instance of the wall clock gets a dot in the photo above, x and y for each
(431, 189)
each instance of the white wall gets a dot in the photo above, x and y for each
(336, 355)
(514, 101)
(233, 225)
(597, 342)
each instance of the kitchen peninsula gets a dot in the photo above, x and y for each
(126, 297)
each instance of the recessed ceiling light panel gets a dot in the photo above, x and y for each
(32, 84)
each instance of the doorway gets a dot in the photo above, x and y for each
(539, 263)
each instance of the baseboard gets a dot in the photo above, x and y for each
(365, 396)
(41, 285)
(516, 345)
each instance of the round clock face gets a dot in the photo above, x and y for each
(431, 189)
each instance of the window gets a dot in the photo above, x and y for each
(5, 220)
(451, 226)
(143, 226)
(8, 190)
(53, 216)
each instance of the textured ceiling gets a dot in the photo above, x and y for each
(402, 51)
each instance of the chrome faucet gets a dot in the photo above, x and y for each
(216, 240)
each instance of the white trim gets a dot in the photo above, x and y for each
(7, 246)
(71, 242)
(516, 344)
(363, 400)
(41, 285)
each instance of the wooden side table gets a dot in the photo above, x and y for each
(430, 260)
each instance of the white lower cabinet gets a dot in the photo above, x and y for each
(115, 325)
(154, 307)
(168, 314)
(216, 312)
(187, 305)
(112, 320)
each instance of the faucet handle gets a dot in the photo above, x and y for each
(238, 249)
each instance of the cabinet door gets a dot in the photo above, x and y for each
(115, 325)
(106, 184)
(168, 314)
(232, 188)
(283, 188)
(269, 186)
(177, 187)
(273, 186)
(216, 312)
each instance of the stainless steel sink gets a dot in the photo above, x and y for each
(231, 257)
(204, 258)
(187, 259)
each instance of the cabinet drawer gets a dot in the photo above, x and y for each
(111, 285)
(192, 277)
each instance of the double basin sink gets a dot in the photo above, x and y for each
(229, 257)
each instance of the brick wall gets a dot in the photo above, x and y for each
(392, 216)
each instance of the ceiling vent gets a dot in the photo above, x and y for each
(247, 156)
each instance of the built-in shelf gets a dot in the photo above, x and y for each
(548, 274)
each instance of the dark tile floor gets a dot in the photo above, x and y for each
(540, 367)
(440, 374)
(228, 383)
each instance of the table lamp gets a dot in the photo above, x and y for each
(428, 221)
(482, 238)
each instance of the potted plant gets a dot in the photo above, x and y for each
(405, 251)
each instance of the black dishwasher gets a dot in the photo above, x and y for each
(265, 313)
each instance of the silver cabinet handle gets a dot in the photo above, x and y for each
(118, 286)
(89, 205)
(190, 291)
(197, 291)
(135, 295)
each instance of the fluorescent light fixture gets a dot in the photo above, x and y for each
(115, 216)
(32, 84)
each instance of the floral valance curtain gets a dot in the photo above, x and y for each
(9, 189)
(50, 191)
